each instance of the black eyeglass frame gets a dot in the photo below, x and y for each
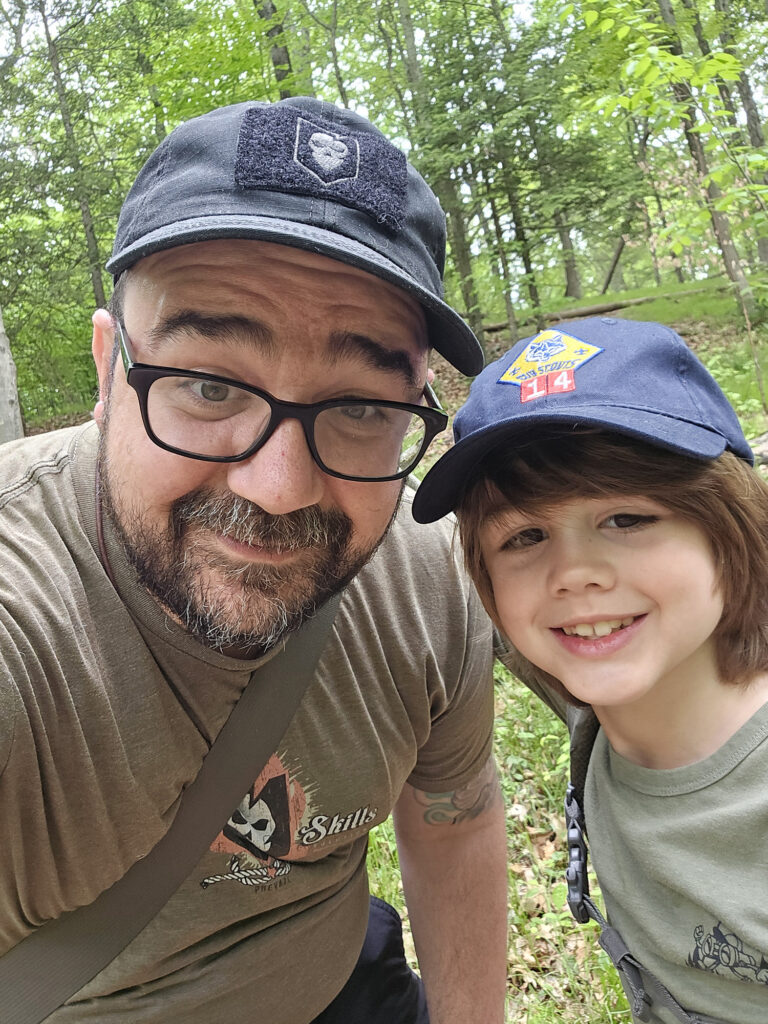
(141, 376)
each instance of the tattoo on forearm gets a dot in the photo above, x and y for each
(461, 804)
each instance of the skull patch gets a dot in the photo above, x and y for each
(327, 156)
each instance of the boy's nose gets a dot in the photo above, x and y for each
(580, 565)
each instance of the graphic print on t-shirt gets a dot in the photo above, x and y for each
(275, 820)
(260, 830)
(722, 952)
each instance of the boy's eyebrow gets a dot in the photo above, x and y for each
(497, 514)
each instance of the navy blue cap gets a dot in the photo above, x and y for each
(302, 173)
(630, 377)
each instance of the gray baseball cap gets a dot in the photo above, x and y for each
(303, 173)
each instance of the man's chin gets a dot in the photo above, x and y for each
(246, 615)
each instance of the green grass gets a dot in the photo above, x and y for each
(556, 971)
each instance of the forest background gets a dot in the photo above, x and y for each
(586, 154)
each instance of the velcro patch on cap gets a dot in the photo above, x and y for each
(548, 355)
(281, 149)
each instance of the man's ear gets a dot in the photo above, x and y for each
(101, 346)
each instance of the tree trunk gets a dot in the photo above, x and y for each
(754, 122)
(332, 28)
(711, 192)
(722, 87)
(94, 256)
(504, 263)
(11, 426)
(443, 184)
(572, 279)
(301, 47)
(145, 66)
(521, 242)
(462, 256)
(613, 264)
(278, 53)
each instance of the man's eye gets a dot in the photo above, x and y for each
(356, 412)
(211, 391)
(525, 539)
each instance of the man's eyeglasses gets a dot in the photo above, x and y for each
(215, 419)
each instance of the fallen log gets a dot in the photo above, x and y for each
(596, 310)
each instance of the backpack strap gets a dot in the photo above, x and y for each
(54, 962)
(642, 986)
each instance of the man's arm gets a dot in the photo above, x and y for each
(452, 849)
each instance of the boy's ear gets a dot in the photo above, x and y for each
(102, 345)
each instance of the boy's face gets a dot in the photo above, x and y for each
(614, 596)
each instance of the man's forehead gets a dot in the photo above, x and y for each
(253, 267)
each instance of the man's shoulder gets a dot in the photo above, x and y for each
(417, 573)
(25, 462)
(423, 541)
(424, 555)
(42, 538)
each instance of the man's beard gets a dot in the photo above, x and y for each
(243, 607)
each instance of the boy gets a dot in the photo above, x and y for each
(619, 537)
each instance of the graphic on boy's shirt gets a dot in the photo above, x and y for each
(721, 952)
(550, 352)
(275, 820)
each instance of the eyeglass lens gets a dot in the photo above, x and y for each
(208, 418)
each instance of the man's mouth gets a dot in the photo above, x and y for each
(255, 549)
(603, 628)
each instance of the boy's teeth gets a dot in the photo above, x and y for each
(603, 628)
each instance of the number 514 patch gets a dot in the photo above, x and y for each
(547, 384)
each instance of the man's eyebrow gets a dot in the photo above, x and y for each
(225, 328)
(348, 344)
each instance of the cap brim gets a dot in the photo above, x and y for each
(443, 486)
(448, 333)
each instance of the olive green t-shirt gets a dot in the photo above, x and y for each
(682, 860)
(107, 708)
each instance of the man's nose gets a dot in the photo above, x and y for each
(282, 476)
(579, 565)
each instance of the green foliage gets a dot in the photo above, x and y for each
(547, 133)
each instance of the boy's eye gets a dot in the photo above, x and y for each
(630, 520)
(525, 538)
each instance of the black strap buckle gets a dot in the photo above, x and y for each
(576, 872)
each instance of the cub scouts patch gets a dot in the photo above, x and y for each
(550, 352)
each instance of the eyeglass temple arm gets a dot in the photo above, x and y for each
(126, 351)
(432, 400)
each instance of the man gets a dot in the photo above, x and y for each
(263, 377)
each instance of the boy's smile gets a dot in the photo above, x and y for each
(616, 597)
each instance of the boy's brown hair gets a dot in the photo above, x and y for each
(724, 497)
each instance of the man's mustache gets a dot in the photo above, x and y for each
(243, 521)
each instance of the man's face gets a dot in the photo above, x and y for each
(239, 552)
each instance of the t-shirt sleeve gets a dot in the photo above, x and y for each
(461, 737)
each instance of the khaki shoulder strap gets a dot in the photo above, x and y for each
(53, 963)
